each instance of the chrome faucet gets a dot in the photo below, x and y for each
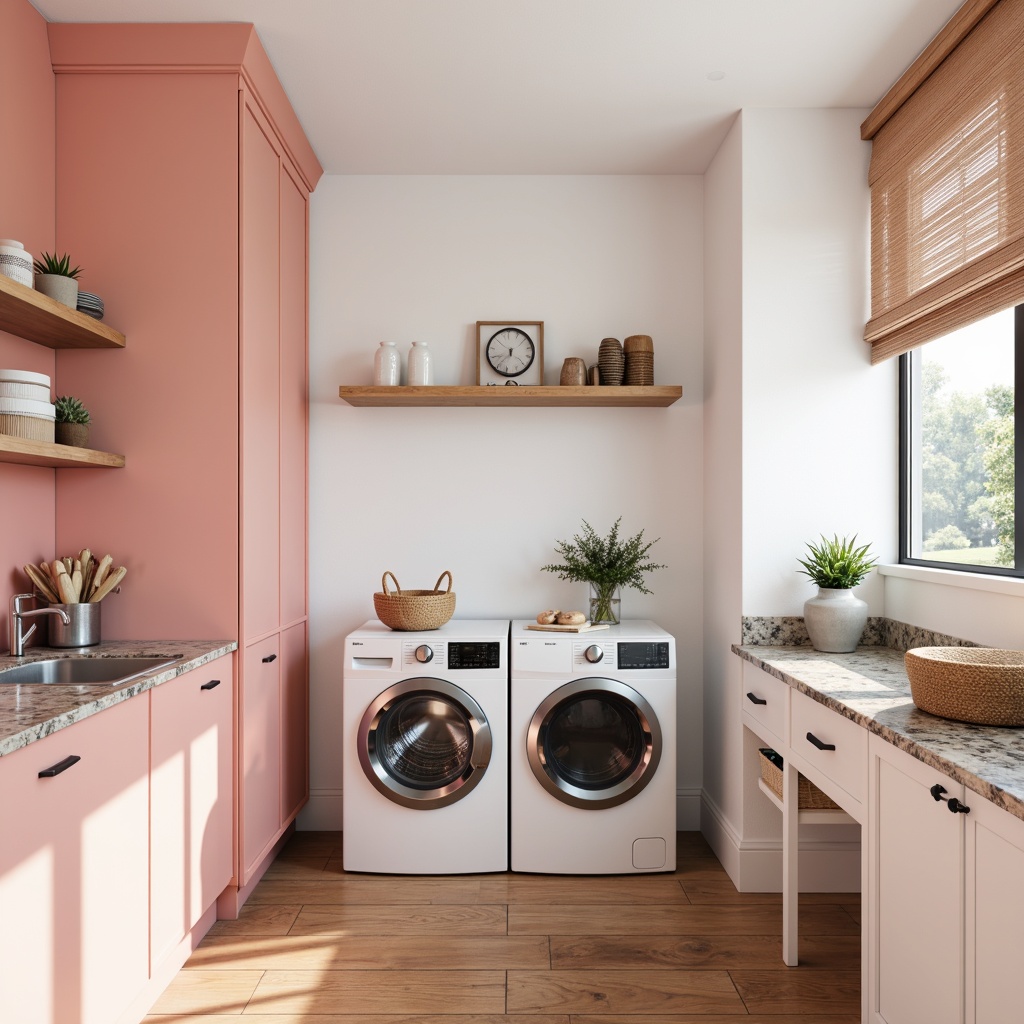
(17, 615)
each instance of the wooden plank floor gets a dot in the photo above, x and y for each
(315, 945)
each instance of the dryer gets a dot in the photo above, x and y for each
(593, 750)
(425, 749)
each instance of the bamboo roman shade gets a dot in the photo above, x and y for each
(947, 189)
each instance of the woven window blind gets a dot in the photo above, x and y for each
(947, 192)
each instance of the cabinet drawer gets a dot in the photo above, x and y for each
(765, 703)
(838, 749)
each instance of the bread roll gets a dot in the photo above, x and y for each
(570, 618)
(548, 617)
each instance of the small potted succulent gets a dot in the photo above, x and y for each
(56, 278)
(835, 618)
(607, 564)
(72, 421)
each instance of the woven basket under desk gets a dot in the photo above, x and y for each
(810, 798)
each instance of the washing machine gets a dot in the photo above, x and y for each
(593, 750)
(425, 749)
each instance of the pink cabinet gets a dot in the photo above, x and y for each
(206, 170)
(74, 871)
(192, 754)
(294, 721)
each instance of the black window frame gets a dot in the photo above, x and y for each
(906, 404)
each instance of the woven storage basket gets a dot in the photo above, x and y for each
(983, 685)
(414, 609)
(810, 798)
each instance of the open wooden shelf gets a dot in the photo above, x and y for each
(657, 396)
(32, 315)
(54, 456)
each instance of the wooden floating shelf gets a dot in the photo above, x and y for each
(35, 316)
(54, 456)
(658, 396)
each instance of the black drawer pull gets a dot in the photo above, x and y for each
(210, 685)
(60, 766)
(269, 658)
(937, 792)
(756, 700)
(811, 738)
(958, 808)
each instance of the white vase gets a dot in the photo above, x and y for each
(57, 286)
(386, 364)
(419, 370)
(835, 620)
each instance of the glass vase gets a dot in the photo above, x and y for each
(605, 601)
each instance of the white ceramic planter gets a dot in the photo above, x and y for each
(57, 286)
(835, 620)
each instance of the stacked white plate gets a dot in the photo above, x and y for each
(25, 406)
(90, 305)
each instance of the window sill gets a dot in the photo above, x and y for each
(952, 578)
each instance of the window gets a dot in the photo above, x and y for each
(958, 452)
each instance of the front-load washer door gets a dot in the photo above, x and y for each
(594, 743)
(424, 743)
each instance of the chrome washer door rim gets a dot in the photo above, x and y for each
(610, 796)
(408, 796)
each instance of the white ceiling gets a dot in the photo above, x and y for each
(552, 86)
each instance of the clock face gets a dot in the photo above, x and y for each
(510, 352)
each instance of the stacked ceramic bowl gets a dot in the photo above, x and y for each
(15, 262)
(639, 352)
(25, 406)
(90, 305)
(610, 361)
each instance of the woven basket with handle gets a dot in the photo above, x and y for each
(414, 609)
(809, 797)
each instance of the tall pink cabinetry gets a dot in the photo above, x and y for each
(183, 180)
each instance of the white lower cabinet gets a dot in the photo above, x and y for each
(946, 898)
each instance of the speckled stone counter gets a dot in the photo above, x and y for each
(29, 712)
(870, 687)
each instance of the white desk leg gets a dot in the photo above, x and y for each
(790, 863)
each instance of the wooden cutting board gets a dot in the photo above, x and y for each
(584, 627)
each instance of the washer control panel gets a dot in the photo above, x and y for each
(642, 655)
(472, 654)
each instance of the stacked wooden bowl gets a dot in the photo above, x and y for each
(639, 355)
(610, 361)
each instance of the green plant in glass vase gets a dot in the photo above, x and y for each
(607, 564)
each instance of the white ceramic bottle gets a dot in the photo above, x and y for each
(420, 370)
(386, 364)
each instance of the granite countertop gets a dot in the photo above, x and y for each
(870, 687)
(30, 711)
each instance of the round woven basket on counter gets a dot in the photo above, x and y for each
(414, 609)
(983, 685)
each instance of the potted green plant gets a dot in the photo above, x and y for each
(71, 421)
(835, 618)
(56, 278)
(607, 564)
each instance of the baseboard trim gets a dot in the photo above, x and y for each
(688, 810)
(756, 865)
(322, 812)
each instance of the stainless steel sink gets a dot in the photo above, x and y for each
(84, 671)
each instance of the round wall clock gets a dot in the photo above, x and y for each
(510, 353)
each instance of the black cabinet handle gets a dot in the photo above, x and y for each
(937, 792)
(956, 807)
(269, 658)
(60, 766)
(811, 738)
(756, 700)
(210, 685)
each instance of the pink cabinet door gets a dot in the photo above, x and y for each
(74, 871)
(260, 765)
(192, 800)
(260, 378)
(294, 397)
(294, 722)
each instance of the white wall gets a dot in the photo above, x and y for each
(788, 199)
(486, 493)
